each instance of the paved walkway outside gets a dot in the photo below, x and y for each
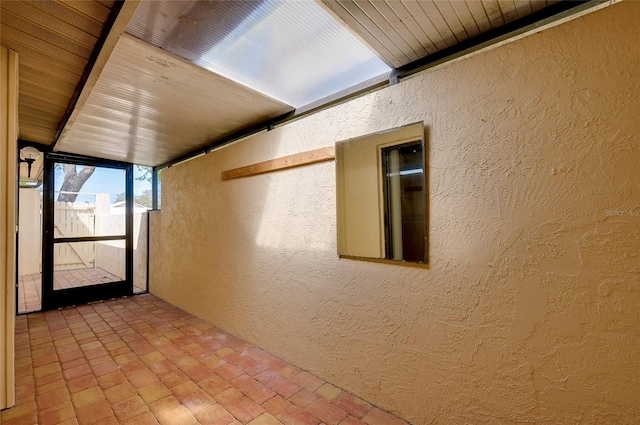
(140, 360)
(29, 286)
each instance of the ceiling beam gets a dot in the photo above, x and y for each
(113, 29)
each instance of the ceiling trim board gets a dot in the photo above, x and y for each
(250, 131)
(520, 27)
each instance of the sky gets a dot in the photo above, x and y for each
(106, 180)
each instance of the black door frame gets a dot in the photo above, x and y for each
(51, 298)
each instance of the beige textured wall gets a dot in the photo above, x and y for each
(530, 309)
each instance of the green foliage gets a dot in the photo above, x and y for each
(147, 173)
(144, 199)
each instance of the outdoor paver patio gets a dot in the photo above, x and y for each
(30, 286)
(140, 360)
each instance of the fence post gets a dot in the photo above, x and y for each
(103, 202)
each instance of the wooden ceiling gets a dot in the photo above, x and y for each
(405, 31)
(55, 41)
(148, 100)
(86, 88)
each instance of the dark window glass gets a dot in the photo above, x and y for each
(404, 197)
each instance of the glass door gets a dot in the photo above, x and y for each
(88, 230)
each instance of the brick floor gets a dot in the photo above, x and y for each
(140, 360)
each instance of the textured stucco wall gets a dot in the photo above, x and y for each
(529, 311)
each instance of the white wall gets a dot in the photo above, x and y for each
(30, 253)
(110, 255)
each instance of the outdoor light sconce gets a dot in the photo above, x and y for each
(29, 154)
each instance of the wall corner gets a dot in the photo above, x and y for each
(8, 185)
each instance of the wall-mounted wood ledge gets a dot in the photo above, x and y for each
(282, 163)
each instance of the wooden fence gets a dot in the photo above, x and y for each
(74, 219)
(79, 219)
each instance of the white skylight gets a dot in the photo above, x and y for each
(292, 51)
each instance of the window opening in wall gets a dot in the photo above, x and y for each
(142, 204)
(404, 201)
(160, 188)
(142, 186)
(381, 195)
(156, 188)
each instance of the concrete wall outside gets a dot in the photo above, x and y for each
(529, 310)
(29, 238)
(111, 255)
(140, 249)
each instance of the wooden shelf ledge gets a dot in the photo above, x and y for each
(282, 163)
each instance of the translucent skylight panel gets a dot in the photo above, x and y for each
(292, 51)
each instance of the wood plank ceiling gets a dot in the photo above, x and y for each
(148, 99)
(404, 31)
(55, 40)
(149, 107)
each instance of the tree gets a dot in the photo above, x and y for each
(144, 199)
(147, 173)
(73, 181)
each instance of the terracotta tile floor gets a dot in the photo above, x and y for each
(29, 286)
(140, 360)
